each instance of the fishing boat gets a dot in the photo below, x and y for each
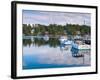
(64, 40)
(67, 42)
(81, 46)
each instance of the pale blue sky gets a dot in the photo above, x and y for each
(44, 17)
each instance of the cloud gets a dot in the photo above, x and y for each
(45, 17)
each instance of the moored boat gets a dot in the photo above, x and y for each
(81, 46)
(64, 40)
(67, 42)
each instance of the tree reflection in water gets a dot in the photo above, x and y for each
(38, 52)
(52, 42)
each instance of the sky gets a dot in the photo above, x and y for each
(51, 17)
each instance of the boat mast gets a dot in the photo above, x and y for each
(84, 22)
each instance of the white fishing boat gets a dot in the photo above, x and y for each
(81, 46)
(67, 42)
(64, 40)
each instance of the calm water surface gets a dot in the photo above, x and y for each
(49, 53)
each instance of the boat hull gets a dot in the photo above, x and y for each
(81, 47)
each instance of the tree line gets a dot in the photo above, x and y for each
(54, 29)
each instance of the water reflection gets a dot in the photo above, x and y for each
(52, 42)
(50, 53)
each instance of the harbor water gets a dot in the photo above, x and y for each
(46, 52)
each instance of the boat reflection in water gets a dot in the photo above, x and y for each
(46, 52)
